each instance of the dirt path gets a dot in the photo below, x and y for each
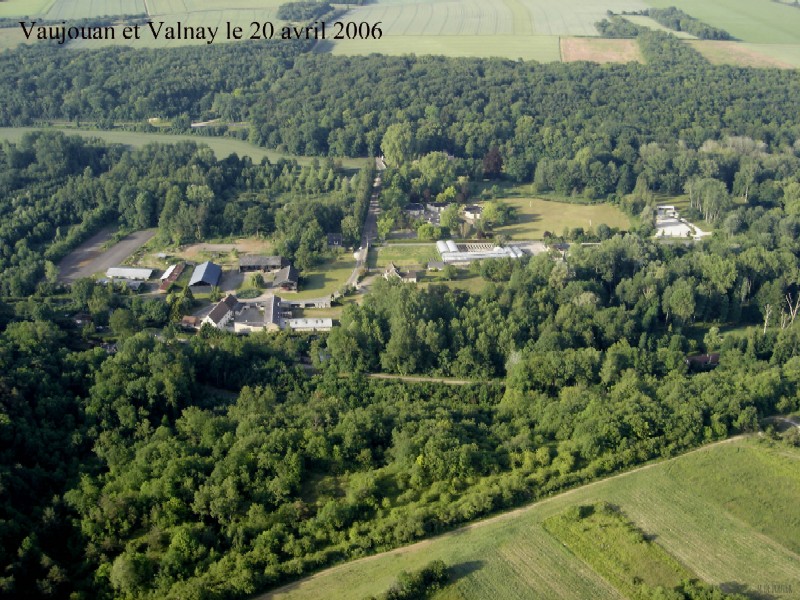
(418, 379)
(90, 258)
(483, 523)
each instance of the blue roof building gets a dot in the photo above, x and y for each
(206, 274)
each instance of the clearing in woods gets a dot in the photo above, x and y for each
(535, 216)
(726, 512)
(600, 50)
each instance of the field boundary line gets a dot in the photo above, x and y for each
(491, 520)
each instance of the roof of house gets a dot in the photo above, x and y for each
(190, 321)
(391, 269)
(335, 239)
(286, 275)
(436, 265)
(474, 209)
(261, 261)
(222, 308)
(129, 273)
(206, 273)
(413, 206)
(272, 311)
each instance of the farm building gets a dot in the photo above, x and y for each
(223, 312)
(464, 254)
(129, 273)
(286, 279)
(249, 264)
(392, 272)
(206, 273)
(275, 315)
(309, 324)
(170, 276)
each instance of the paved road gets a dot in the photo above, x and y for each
(418, 379)
(368, 233)
(275, 594)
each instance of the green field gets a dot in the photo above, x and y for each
(325, 280)
(757, 21)
(24, 8)
(728, 513)
(73, 9)
(222, 146)
(535, 216)
(527, 29)
(402, 255)
(616, 549)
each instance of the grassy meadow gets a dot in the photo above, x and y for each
(535, 216)
(415, 256)
(325, 279)
(726, 513)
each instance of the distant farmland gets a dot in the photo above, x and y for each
(527, 29)
(726, 513)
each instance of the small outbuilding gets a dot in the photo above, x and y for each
(248, 264)
(286, 279)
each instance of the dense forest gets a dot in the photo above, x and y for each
(215, 467)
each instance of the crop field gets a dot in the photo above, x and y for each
(526, 29)
(726, 513)
(541, 48)
(757, 21)
(782, 56)
(85, 9)
(24, 8)
(600, 50)
(221, 146)
(535, 216)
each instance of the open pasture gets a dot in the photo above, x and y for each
(757, 21)
(325, 279)
(600, 50)
(727, 513)
(535, 216)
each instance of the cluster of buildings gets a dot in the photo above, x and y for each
(272, 314)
